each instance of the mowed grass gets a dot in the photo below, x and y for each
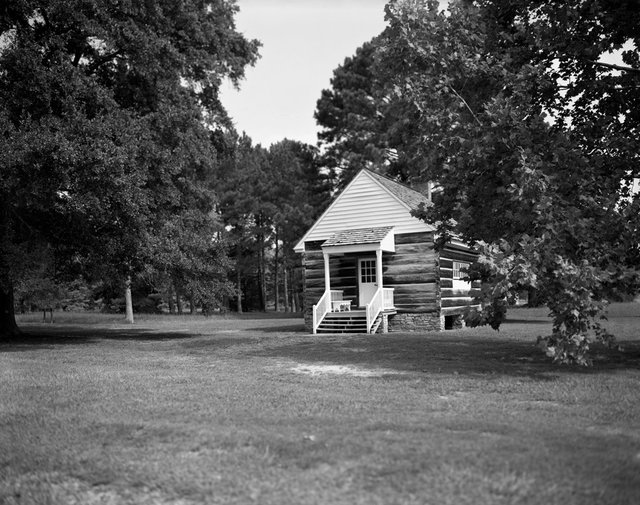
(239, 410)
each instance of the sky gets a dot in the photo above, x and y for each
(303, 41)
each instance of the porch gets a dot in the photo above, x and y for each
(334, 313)
(357, 320)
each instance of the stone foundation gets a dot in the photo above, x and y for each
(404, 322)
(416, 322)
(308, 320)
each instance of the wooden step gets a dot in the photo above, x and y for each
(354, 321)
(342, 329)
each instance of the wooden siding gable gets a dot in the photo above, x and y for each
(365, 202)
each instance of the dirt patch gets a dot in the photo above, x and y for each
(340, 370)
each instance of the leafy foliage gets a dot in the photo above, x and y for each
(529, 134)
(522, 168)
(269, 198)
(364, 123)
(106, 120)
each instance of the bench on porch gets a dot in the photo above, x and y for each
(340, 305)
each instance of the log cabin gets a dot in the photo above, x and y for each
(370, 265)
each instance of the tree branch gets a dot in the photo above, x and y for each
(614, 66)
(77, 57)
(466, 105)
(102, 60)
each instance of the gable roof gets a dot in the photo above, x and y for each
(369, 201)
(405, 194)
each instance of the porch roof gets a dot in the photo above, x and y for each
(361, 239)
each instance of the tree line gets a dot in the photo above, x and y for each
(121, 168)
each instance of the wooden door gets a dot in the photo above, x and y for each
(367, 282)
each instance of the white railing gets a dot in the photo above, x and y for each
(382, 300)
(323, 307)
(374, 307)
(387, 298)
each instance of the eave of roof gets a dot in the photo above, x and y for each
(408, 197)
(358, 236)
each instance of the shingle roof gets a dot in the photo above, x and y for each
(359, 236)
(403, 193)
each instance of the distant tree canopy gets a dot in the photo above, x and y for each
(107, 112)
(364, 124)
(268, 199)
(530, 132)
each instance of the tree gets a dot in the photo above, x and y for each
(300, 192)
(190, 258)
(269, 199)
(349, 114)
(247, 213)
(364, 123)
(106, 114)
(534, 143)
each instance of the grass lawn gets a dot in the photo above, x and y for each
(240, 410)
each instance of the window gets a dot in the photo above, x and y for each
(367, 271)
(458, 268)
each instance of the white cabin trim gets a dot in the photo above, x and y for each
(365, 202)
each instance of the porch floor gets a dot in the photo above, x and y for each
(359, 312)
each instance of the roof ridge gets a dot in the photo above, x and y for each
(403, 192)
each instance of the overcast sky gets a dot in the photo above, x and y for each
(303, 41)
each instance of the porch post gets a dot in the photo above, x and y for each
(379, 268)
(327, 276)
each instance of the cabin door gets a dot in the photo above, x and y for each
(367, 282)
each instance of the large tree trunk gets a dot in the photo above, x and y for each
(128, 301)
(275, 274)
(286, 288)
(262, 277)
(170, 301)
(178, 297)
(239, 289)
(8, 326)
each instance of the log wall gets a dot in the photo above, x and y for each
(411, 271)
(454, 300)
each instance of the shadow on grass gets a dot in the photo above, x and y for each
(454, 354)
(464, 352)
(297, 329)
(528, 321)
(62, 335)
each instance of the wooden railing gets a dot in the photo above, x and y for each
(382, 300)
(387, 298)
(374, 307)
(323, 307)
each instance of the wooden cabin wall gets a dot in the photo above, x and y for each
(411, 271)
(313, 262)
(455, 300)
